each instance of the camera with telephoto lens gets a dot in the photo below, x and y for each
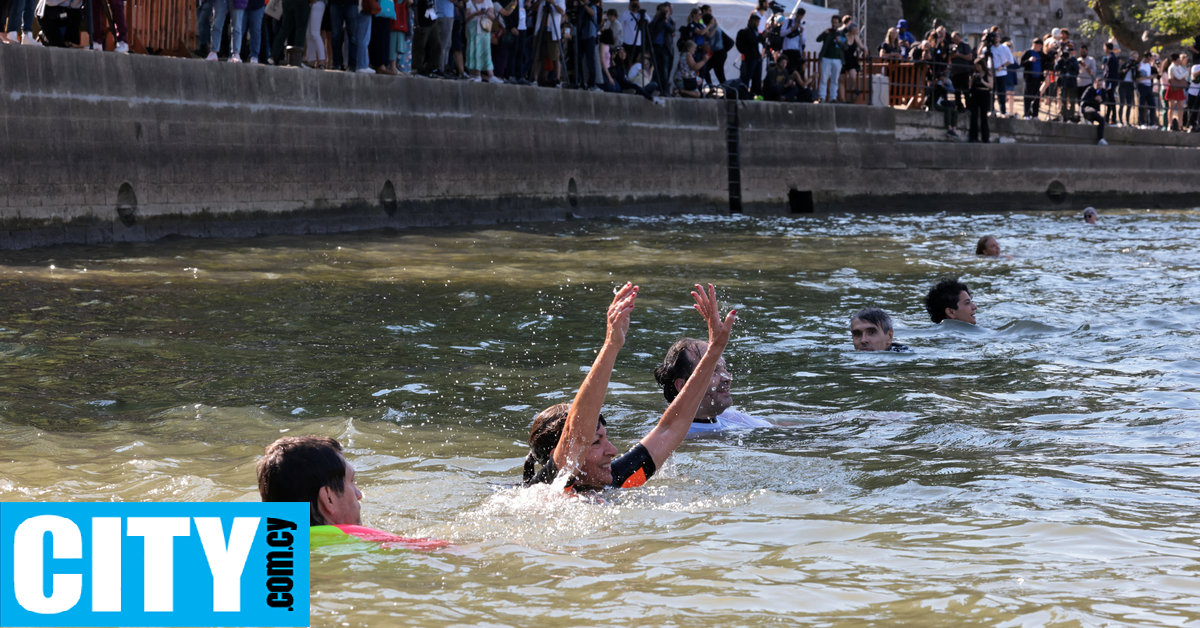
(777, 8)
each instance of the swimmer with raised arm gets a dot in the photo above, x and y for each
(573, 440)
(714, 413)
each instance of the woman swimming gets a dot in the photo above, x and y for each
(573, 439)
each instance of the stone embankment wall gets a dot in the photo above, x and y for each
(105, 147)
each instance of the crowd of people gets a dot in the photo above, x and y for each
(1072, 84)
(654, 55)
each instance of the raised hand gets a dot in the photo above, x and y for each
(708, 307)
(619, 312)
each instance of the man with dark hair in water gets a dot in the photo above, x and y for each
(871, 330)
(713, 414)
(950, 299)
(312, 469)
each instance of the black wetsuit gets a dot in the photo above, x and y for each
(899, 348)
(632, 468)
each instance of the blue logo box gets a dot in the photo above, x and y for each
(154, 564)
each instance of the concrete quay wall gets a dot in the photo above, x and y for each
(105, 147)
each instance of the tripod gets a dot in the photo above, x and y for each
(541, 41)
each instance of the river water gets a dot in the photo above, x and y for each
(1040, 469)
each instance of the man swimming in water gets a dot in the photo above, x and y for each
(871, 330)
(573, 440)
(713, 413)
(950, 299)
(312, 469)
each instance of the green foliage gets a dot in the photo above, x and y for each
(921, 14)
(1178, 17)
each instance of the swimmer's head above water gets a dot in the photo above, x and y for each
(950, 299)
(1090, 215)
(676, 369)
(311, 469)
(988, 245)
(871, 330)
(595, 469)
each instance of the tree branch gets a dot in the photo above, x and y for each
(1125, 35)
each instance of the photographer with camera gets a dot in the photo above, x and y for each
(1032, 64)
(632, 23)
(748, 41)
(547, 34)
(1067, 68)
(833, 55)
(662, 30)
(687, 79)
(792, 32)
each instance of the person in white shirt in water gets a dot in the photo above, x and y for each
(714, 414)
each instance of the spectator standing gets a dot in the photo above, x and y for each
(719, 44)
(478, 20)
(1087, 67)
(959, 53)
(1001, 58)
(314, 45)
(1194, 93)
(1145, 90)
(792, 32)
(1126, 89)
(1067, 67)
(293, 27)
(662, 30)
(400, 44)
(890, 48)
(748, 40)
(943, 102)
(204, 18)
(763, 11)
(253, 26)
(343, 20)
(220, 12)
(832, 55)
(547, 33)
(117, 8)
(1110, 67)
(979, 101)
(589, 21)
(445, 25)
(20, 22)
(1089, 106)
(1176, 77)
(1031, 64)
(237, 22)
(850, 66)
(907, 41)
(631, 30)
(426, 44)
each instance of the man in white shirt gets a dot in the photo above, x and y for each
(714, 414)
(792, 31)
(1001, 58)
(631, 30)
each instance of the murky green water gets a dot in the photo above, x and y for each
(1039, 470)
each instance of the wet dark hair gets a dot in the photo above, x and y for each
(543, 438)
(677, 364)
(874, 316)
(944, 294)
(981, 245)
(294, 468)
